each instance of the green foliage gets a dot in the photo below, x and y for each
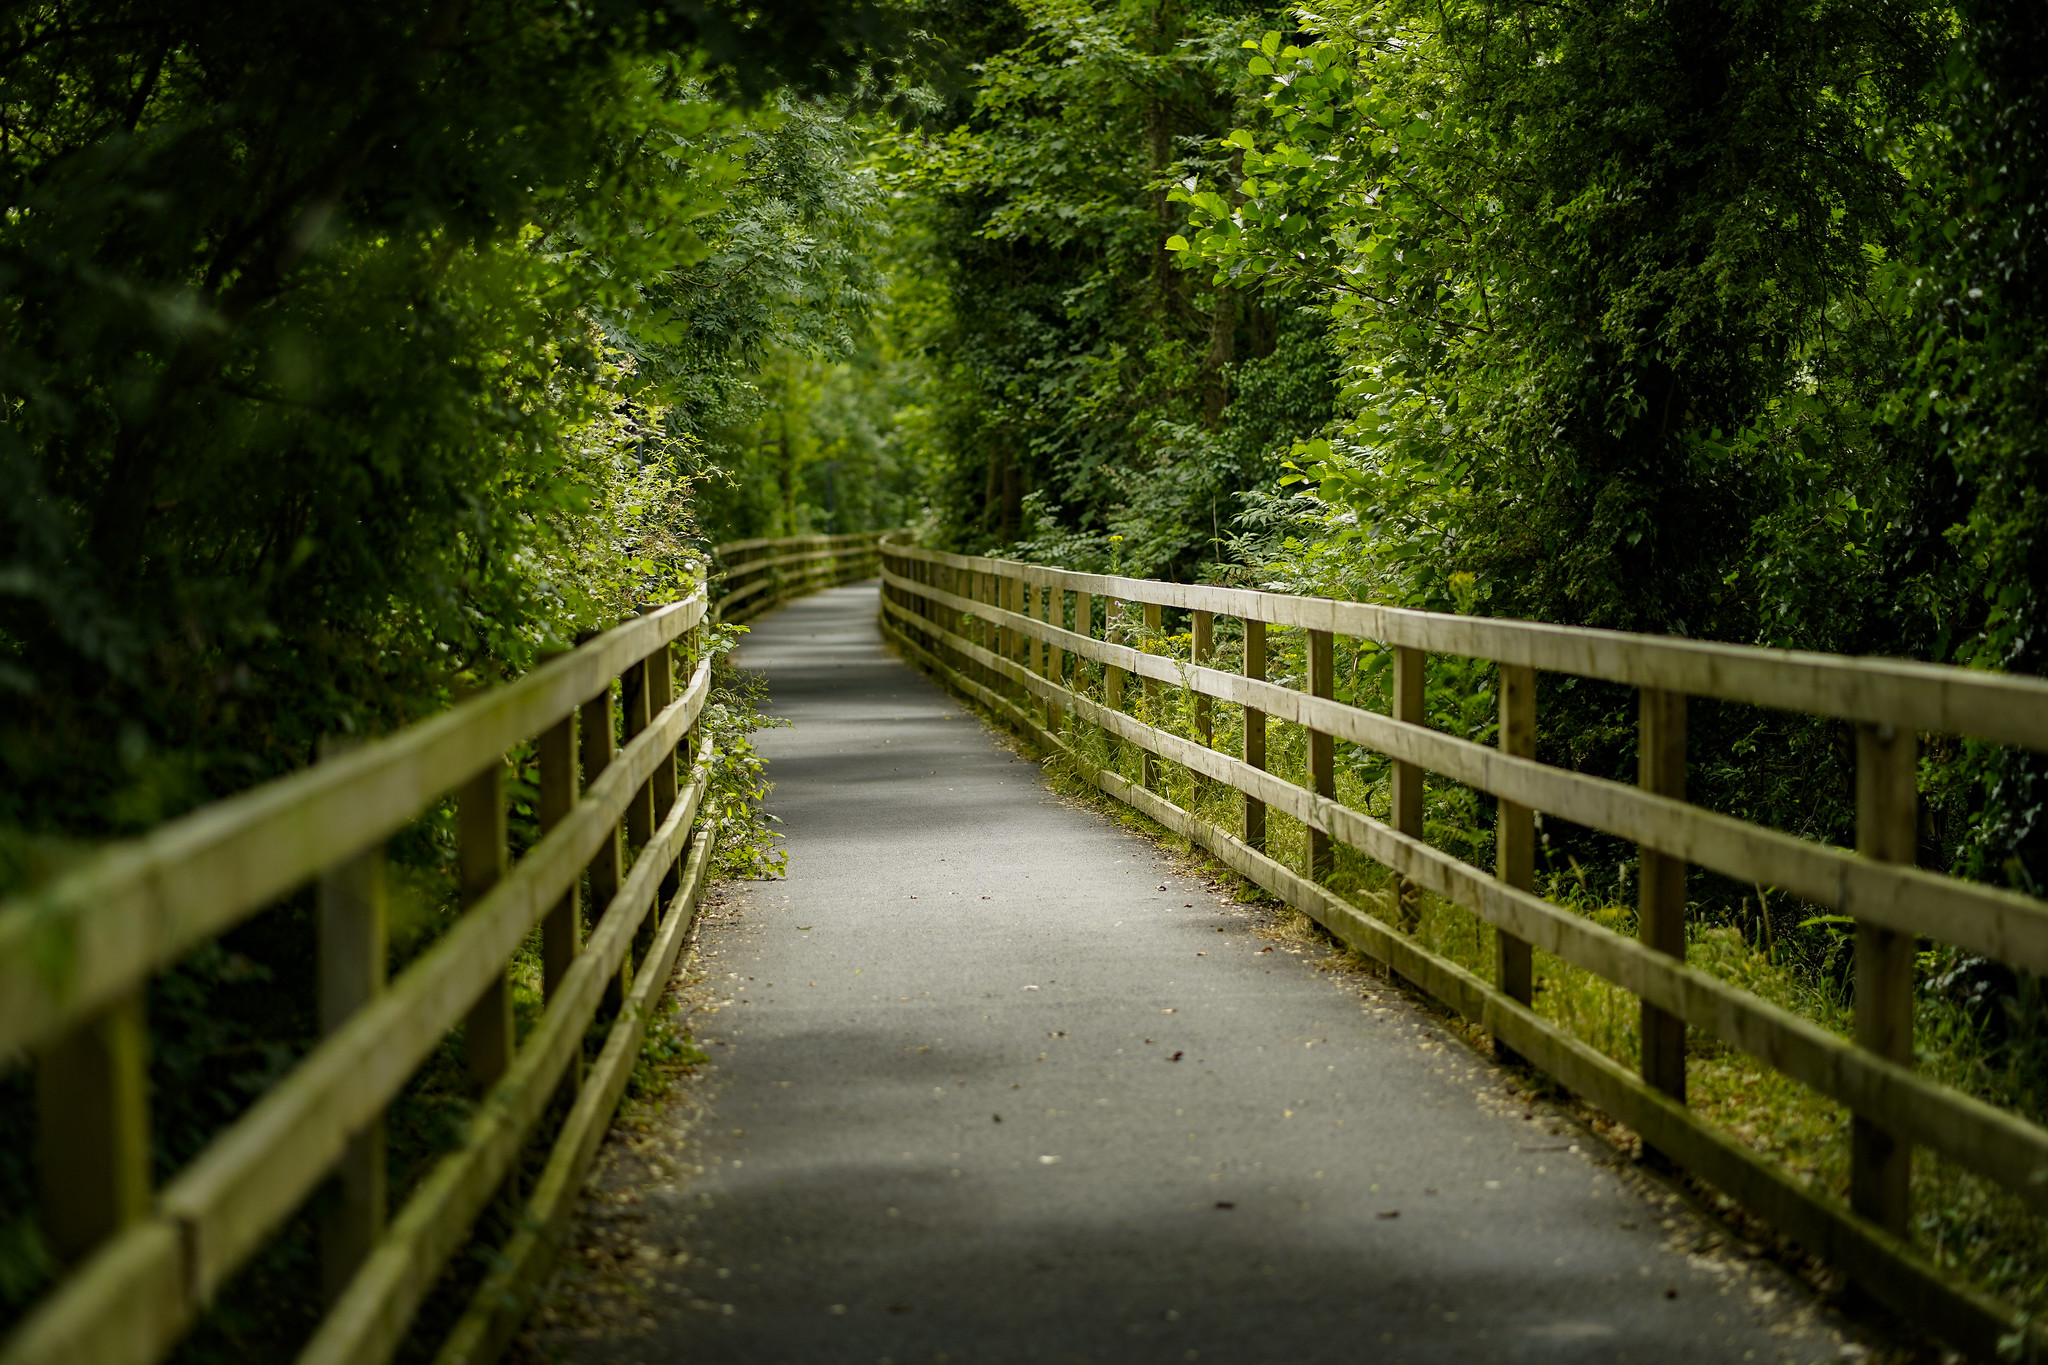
(666, 1052)
(1705, 320)
(738, 784)
(1591, 273)
(1071, 365)
(345, 355)
(779, 351)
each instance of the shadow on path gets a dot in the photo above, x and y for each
(991, 1081)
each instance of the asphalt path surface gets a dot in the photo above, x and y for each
(991, 1080)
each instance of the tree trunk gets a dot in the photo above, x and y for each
(1222, 350)
(788, 480)
(1013, 500)
(1166, 281)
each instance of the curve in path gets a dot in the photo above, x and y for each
(993, 1081)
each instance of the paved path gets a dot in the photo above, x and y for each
(995, 1083)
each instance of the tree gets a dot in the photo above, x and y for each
(1579, 261)
(324, 331)
(1084, 387)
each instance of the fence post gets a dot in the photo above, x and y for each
(688, 646)
(353, 914)
(926, 575)
(1149, 642)
(633, 702)
(1887, 813)
(560, 931)
(661, 690)
(600, 745)
(1322, 769)
(1024, 649)
(961, 583)
(994, 639)
(1055, 657)
(1405, 783)
(1006, 638)
(949, 620)
(1034, 656)
(1019, 650)
(967, 583)
(965, 623)
(1255, 732)
(1038, 606)
(1113, 632)
(481, 852)
(1203, 648)
(92, 1111)
(1515, 847)
(1084, 625)
(1660, 890)
(999, 636)
(735, 569)
(635, 714)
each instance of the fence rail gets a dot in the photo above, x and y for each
(998, 631)
(758, 575)
(76, 958)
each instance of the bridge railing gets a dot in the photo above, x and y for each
(621, 775)
(1028, 641)
(758, 575)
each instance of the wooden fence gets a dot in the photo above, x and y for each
(758, 575)
(1024, 641)
(621, 778)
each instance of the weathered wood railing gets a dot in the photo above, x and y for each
(998, 631)
(76, 958)
(760, 574)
